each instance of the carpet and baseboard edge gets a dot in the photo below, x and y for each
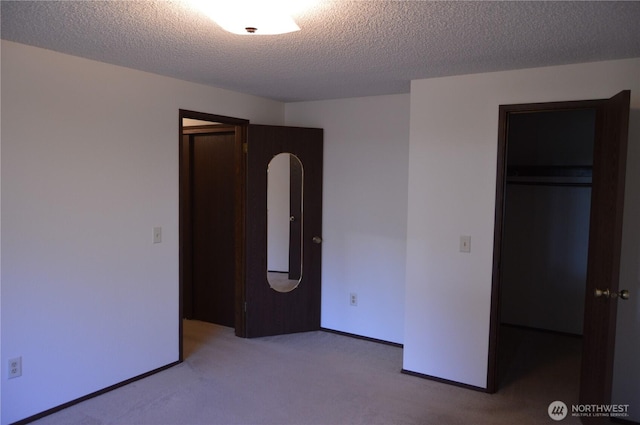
(444, 381)
(404, 371)
(92, 395)
(365, 338)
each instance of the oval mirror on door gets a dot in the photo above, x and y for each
(284, 222)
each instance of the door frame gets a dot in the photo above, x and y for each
(185, 241)
(503, 127)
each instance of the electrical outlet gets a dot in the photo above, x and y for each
(353, 299)
(15, 367)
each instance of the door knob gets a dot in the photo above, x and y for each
(317, 239)
(623, 294)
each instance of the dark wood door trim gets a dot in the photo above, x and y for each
(503, 130)
(186, 289)
(208, 129)
(239, 126)
(240, 227)
(203, 116)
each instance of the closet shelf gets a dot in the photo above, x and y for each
(550, 175)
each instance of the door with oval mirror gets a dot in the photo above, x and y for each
(285, 177)
(283, 230)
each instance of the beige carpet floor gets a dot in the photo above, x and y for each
(325, 378)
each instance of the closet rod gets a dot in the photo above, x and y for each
(566, 184)
(550, 171)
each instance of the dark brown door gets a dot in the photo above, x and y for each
(605, 234)
(212, 218)
(267, 311)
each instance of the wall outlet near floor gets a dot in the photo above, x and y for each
(353, 299)
(15, 367)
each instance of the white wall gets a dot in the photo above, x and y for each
(278, 209)
(545, 245)
(452, 172)
(364, 213)
(89, 167)
(626, 379)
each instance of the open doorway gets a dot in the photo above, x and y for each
(547, 198)
(211, 219)
(610, 132)
(224, 165)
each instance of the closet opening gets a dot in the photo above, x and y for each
(547, 199)
(557, 245)
(211, 220)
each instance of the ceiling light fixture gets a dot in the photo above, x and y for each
(246, 17)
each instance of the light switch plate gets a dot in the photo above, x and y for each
(465, 243)
(157, 234)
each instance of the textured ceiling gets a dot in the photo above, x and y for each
(345, 48)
